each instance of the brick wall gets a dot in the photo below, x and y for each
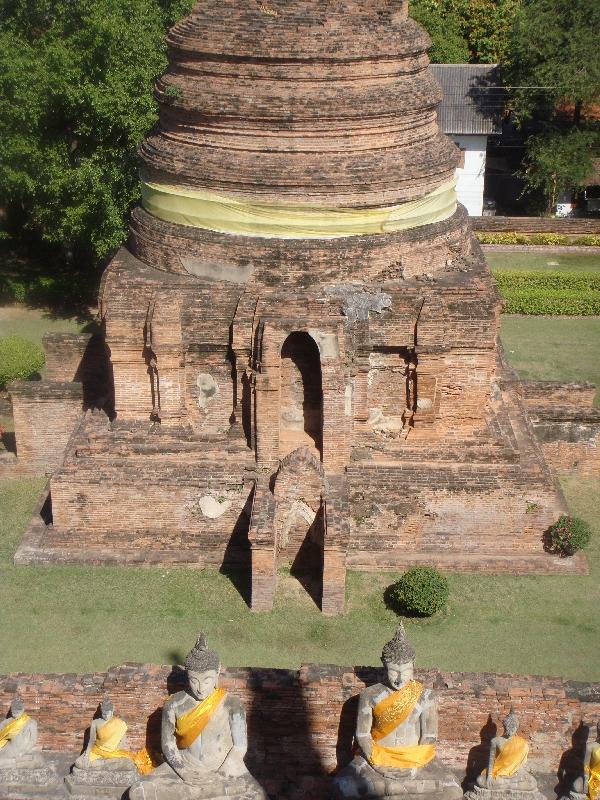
(566, 226)
(300, 724)
(45, 415)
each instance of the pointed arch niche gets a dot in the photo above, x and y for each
(301, 396)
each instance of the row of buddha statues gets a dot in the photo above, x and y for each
(204, 741)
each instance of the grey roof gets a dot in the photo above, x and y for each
(473, 98)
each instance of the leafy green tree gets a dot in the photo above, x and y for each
(557, 162)
(448, 44)
(554, 57)
(76, 82)
(467, 30)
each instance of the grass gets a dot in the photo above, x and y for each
(79, 619)
(562, 262)
(553, 348)
(33, 324)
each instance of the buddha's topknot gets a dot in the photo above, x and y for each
(200, 658)
(398, 650)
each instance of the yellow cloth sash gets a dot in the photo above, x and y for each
(594, 775)
(190, 725)
(108, 737)
(415, 755)
(10, 730)
(510, 757)
(394, 709)
(202, 208)
(390, 712)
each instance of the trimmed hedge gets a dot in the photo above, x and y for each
(544, 239)
(19, 359)
(549, 292)
(420, 592)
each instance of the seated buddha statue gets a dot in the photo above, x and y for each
(396, 732)
(587, 784)
(18, 737)
(506, 772)
(106, 768)
(23, 769)
(105, 748)
(203, 740)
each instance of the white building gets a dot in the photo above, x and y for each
(468, 114)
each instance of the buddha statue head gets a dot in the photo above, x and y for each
(203, 666)
(17, 708)
(106, 708)
(398, 659)
(510, 724)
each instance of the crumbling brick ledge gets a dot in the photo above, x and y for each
(300, 723)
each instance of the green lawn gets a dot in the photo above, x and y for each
(562, 262)
(81, 619)
(553, 348)
(16, 320)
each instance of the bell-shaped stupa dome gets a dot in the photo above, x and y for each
(321, 102)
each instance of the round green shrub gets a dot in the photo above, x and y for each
(568, 535)
(421, 591)
(19, 359)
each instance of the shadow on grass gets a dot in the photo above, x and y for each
(62, 291)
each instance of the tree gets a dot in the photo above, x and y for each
(467, 30)
(448, 44)
(554, 57)
(552, 75)
(557, 162)
(76, 81)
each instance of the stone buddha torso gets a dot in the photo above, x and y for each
(18, 747)
(210, 749)
(396, 731)
(203, 741)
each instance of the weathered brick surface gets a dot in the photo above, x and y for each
(565, 225)
(300, 724)
(233, 356)
(45, 415)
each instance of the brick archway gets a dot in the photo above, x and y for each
(301, 395)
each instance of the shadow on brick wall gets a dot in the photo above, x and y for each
(572, 760)
(281, 752)
(478, 757)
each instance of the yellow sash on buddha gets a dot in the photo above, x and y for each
(107, 741)
(407, 757)
(510, 757)
(390, 712)
(190, 725)
(10, 730)
(394, 709)
(594, 775)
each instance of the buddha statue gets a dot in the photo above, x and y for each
(18, 736)
(105, 762)
(396, 732)
(21, 764)
(506, 775)
(203, 740)
(587, 783)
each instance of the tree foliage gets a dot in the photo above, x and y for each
(553, 57)
(467, 30)
(558, 161)
(76, 82)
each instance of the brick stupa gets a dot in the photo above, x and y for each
(297, 377)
